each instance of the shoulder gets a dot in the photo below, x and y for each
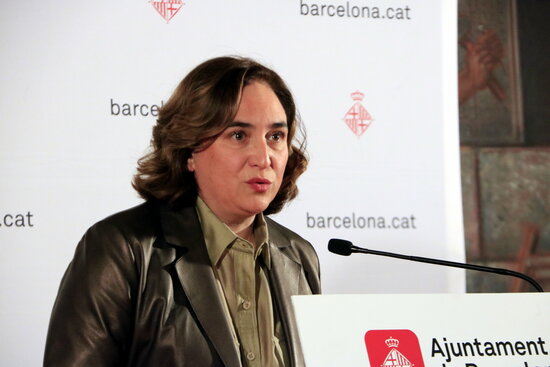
(280, 233)
(134, 221)
(113, 250)
(131, 225)
(283, 237)
(120, 236)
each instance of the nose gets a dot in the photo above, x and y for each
(259, 154)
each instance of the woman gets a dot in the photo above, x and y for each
(197, 275)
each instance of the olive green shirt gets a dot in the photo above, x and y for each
(242, 274)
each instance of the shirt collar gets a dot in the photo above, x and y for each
(219, 237)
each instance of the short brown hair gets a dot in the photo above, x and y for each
(202, 106)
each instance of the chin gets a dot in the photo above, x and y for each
(258, 207)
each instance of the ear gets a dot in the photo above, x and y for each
(191, 164)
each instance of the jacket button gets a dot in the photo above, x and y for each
(250, 356)
(246, 305)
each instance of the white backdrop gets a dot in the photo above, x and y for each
(68, 146)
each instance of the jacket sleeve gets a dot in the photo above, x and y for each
(91, 319)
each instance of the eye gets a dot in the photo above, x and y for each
(237, 135)
(277, 136)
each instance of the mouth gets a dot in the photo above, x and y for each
(259, 184)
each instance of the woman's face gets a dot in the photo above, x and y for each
(240, 173)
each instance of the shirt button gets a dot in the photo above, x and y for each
(250, 356)
(246, 305)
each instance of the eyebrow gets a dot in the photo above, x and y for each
(275, 125)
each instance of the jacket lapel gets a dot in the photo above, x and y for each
(198, 281)
(285, 281)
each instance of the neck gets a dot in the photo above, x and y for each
(242, 226)
(244, 229)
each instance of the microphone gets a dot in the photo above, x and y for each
(346, 248)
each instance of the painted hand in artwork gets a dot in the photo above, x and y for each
(482, 57)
